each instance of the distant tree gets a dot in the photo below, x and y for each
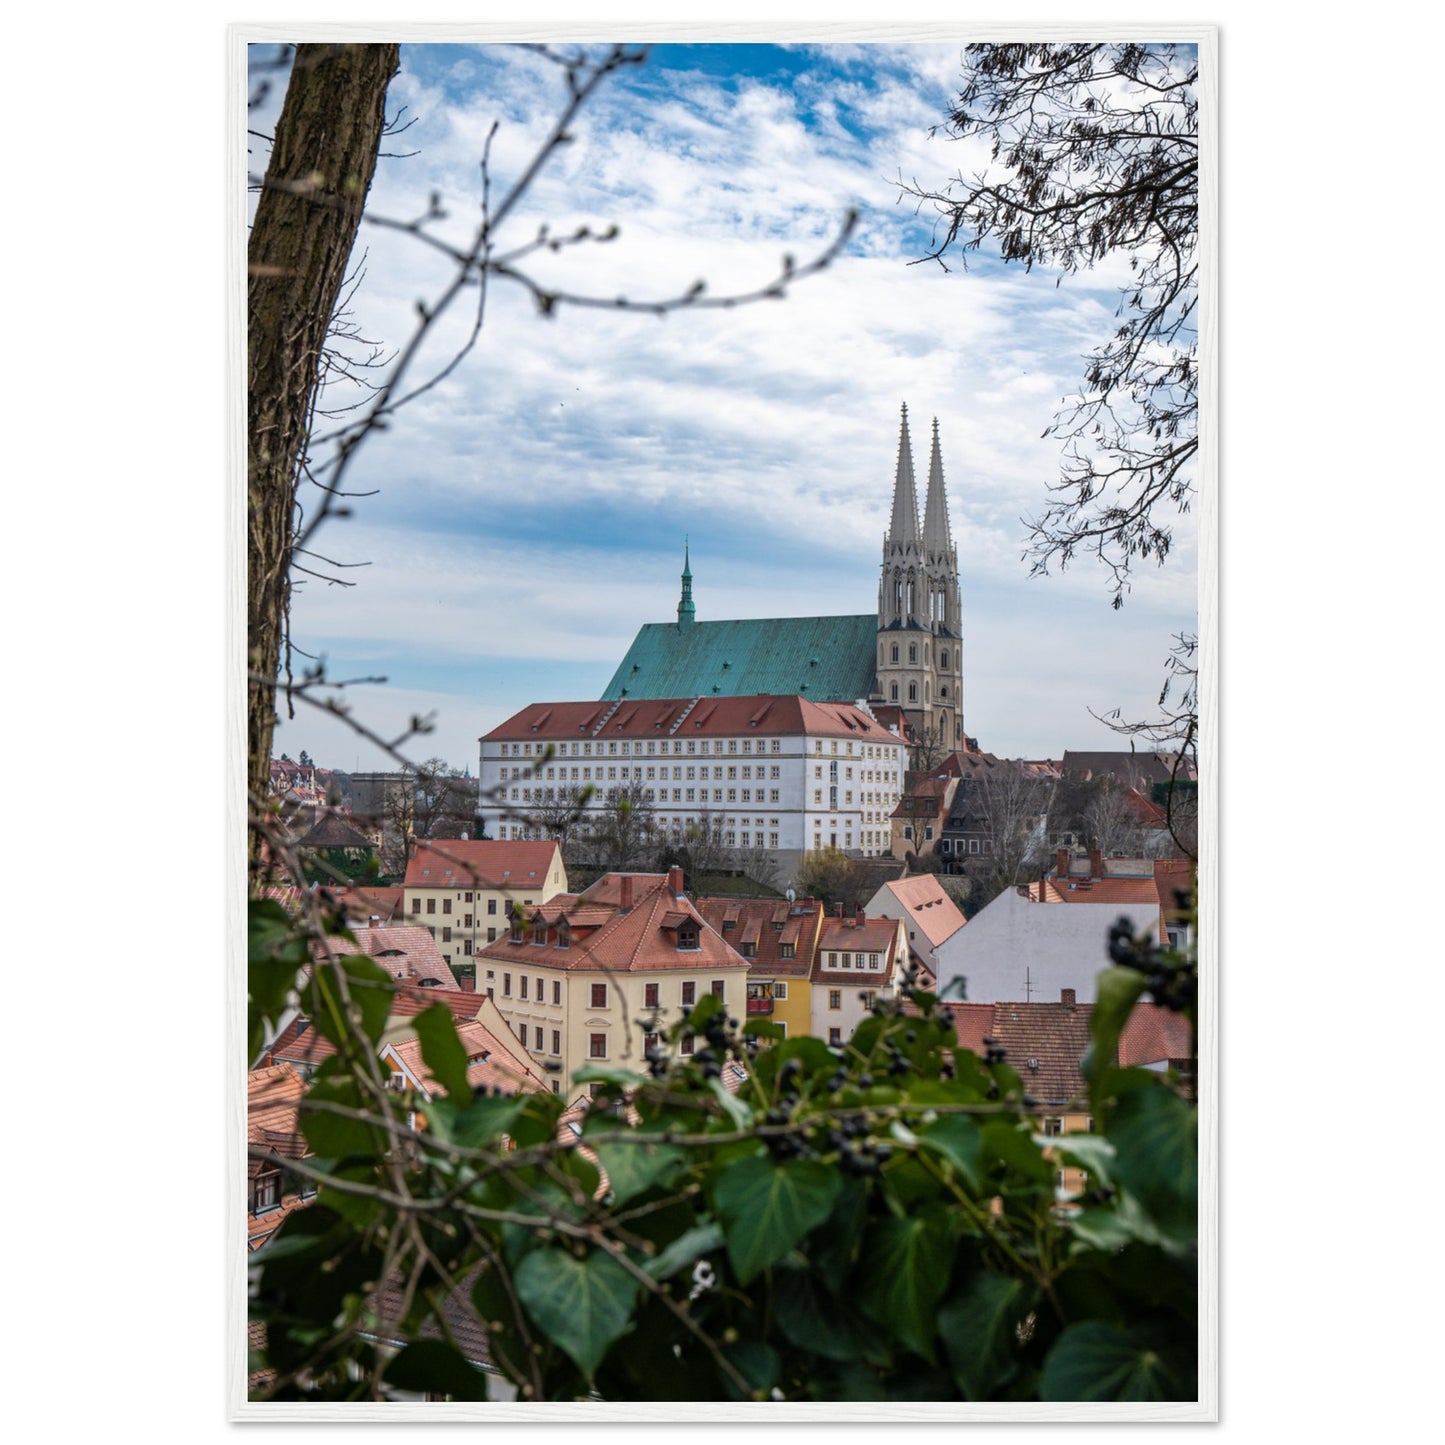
(622, 828)
(1095, 151)
(444, 800)
(561, 813)
(706, 848)
(759, 865)
(831, 875)
(1010, 806)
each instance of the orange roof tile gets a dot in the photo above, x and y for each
(481, 863)
(405, 952)
(753, 921)
(1153, 1034)
(926, 906)
(494, 1062)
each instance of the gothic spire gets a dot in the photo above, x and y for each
(686, 612)
(937, 535)
(903, 529)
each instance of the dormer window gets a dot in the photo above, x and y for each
(564, 934)
(539, 932)
(516, 930)
(687, 935)
(266, 1193)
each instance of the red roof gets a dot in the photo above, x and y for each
(481, 863)
(605, 939)
(494, 1061)
(406, 952)
(689, 717)
(1045, 1042)
(1095, 890)
(1153, 1035)
(972, 1022)
(926, 906)
(872, 935)
(765, 925)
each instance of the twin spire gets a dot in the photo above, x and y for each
(937, 535)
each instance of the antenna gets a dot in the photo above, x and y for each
(1028, 987)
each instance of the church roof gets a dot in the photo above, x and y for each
(825, 659)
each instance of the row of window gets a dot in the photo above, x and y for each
(913, 654)
(835, 1000)
(844, 959)
(431, 906)
(599, 993)
(651, 747)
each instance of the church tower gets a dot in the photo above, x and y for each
(919, 625)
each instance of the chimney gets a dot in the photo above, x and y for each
(626, 892)
(674, 881)
(469, 985)
(1061, 863)
(1096, 863)
(837, 910)
(372, 921)
(1066, 997)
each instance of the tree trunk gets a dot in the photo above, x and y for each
(306, 222)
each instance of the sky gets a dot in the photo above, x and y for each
(529, 513)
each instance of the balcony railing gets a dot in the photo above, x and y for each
(760, 1005)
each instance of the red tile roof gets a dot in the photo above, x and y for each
(481, 863)
(927, 907)
(872, 935)
(1045, 1042)
(1153, 1035)
(364, 901)
(1094, 890)
(603, 938)
(754, 922)
(405, 952)
(768, 714)
(972, 1023)
(496, 1060)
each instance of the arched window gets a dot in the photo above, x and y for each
(943, 691)
(912, 692)
(944, 662)
(913, 652)
(895, 652)
(893, 692)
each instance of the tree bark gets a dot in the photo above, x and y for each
(321, 167)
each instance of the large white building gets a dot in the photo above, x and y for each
(774, 772)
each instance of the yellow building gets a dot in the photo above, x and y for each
(463, 891)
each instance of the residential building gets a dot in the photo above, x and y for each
(496, 1059)
(927, 912)
(1019, 948)
(780, 773)
(859, 960)
(599, 977)
(918, 820)
(273, 1098)
(409, 954)
(464, 890)
(779, 940)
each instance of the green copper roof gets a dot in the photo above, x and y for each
(825, 659)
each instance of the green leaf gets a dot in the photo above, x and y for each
(331, 1135)
(603, 1074)
(433, 1367)
(1116, 993)
(767, 1208)
(479, 1125)
(733, 1106)
(632, 1169)
(1155, 1138)
(763, 1029)
(685, 1250)
(757, 1363)
(960, 1141)
(1010, 1149)
(369, 987)
(905, 1272)
(978, 1329)
(583, 1305)
(442, 1050)
(1091, 1152)
(1092, 1360)
(814, 1320)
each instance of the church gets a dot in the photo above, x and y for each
(906, 656)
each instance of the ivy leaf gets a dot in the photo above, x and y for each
(479, 1124)
(1116, 993)
(1155, 1138)
(1092, 1360)
(978, 1332)
(959, 1140)
(905, 1272)
(369, 987)
(812, 1319)
(433, 1367)
(1008, 1149)
(632, 1169)
(582, 1305)
(442, 1050)
(684, 1250)
(767, 1208)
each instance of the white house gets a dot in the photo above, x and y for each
(1018, 950)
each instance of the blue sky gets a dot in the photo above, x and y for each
(529, 514)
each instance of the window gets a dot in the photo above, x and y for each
(446, 935)
(491, 905)
(1053, 1127)
(416, 905)
(541, 990)
(538, 1032)
(431, 905)
(557, 991)
(467, 920)
(780, 990)
(717, 988)
(835, 1037)
(651, 995)
(597, 1046)
(835, 998)
(491, 935)
(446, 905)
(913, 652)
(867, 998)
(688, 1044)
(688, 936)
(599, 995)
(556, 1041)
(506, 985)
(786, 950)
(467, 946)
(689, 992)
(912, 692)
(266, 1193)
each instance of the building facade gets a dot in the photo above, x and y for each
(779, 773)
